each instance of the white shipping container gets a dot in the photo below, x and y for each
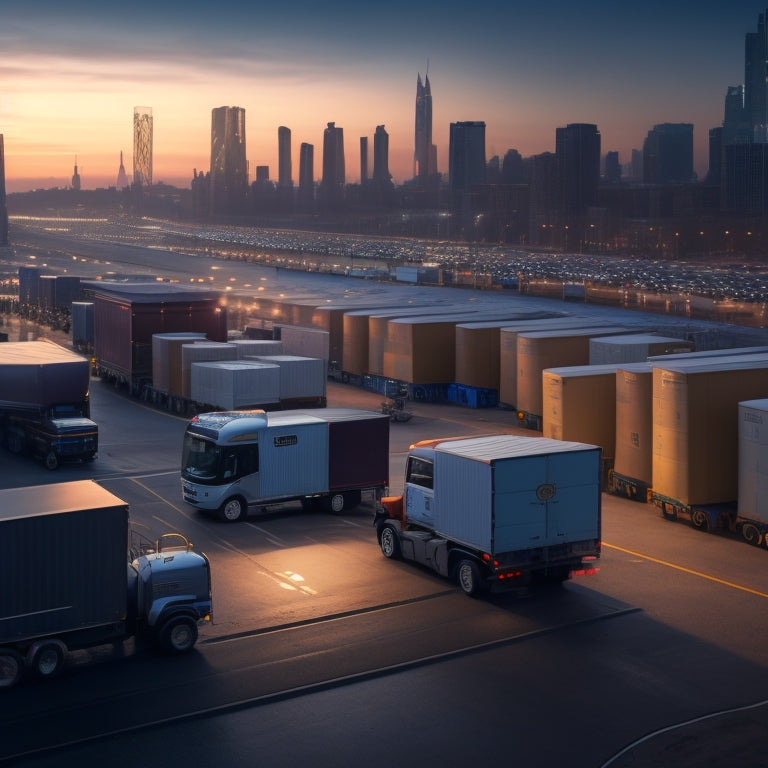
(504, 493)
(201, 352)
(303, 342)
(300, 377)
(753, 460)
(231, 385)
(634, 348)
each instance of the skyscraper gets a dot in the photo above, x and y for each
(466, 155)
(306, 173)
(76, 177)
(229, 168)
(284, 172)
(668, 154)
(423, 153)
(142, 148)
(363, 159)
(3, 206)
(334, 176)
(122, 176)
(577, 147)
(755, 84)
(381, 175)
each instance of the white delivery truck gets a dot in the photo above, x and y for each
(496, 511)
(333, 458)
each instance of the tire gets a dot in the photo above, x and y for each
(334, 503)
(751, 534)
(389, 542)
(11, 668)
(52, 461)
(468, 577)
(699, 519)
(233, 510)
(48, 660)
(179, 634)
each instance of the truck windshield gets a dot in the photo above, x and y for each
(200, 460)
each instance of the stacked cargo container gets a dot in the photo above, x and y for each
(235, 384)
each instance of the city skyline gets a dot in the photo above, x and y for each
(73, 74)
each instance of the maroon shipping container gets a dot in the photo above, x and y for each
(358, 448)
(126, 316)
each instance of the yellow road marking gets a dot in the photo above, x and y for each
(687, 570)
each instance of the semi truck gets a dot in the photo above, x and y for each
(73, 575)
(332, 458)
(44, 403)
(497, 511)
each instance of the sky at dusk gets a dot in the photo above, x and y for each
(72, 72)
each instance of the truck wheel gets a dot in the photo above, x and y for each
(699, 519)
(334, 503)
(468, 577)
(179, 634)
(48, 660)
(751, 534)
(389, 542)
(11, 666)
(52, 460)
(233, 509)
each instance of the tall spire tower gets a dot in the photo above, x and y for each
(122, 176)
(423, 150)
(76, 177)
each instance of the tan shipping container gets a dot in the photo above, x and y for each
(166, 359)
(508, 349)
(695, 428)
(634, 423)
(579, 404)
(539, 350)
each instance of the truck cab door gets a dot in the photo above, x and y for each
(419, 492)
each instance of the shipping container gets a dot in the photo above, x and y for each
(422, 350)
(753, 464)
(634, 348)
(302, 342)
(40, 374)
(579, 405)
(127, 315)
(73, 572)
(478, 351)
(231, 385)
(166, 359)
(538, 350)
(199, 352)
(508, 349)
(301, 378)
(695, 424)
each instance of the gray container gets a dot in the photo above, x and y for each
(41, 373)
(232, 385)
(63, 559)
(200, 352)
(300, 377)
